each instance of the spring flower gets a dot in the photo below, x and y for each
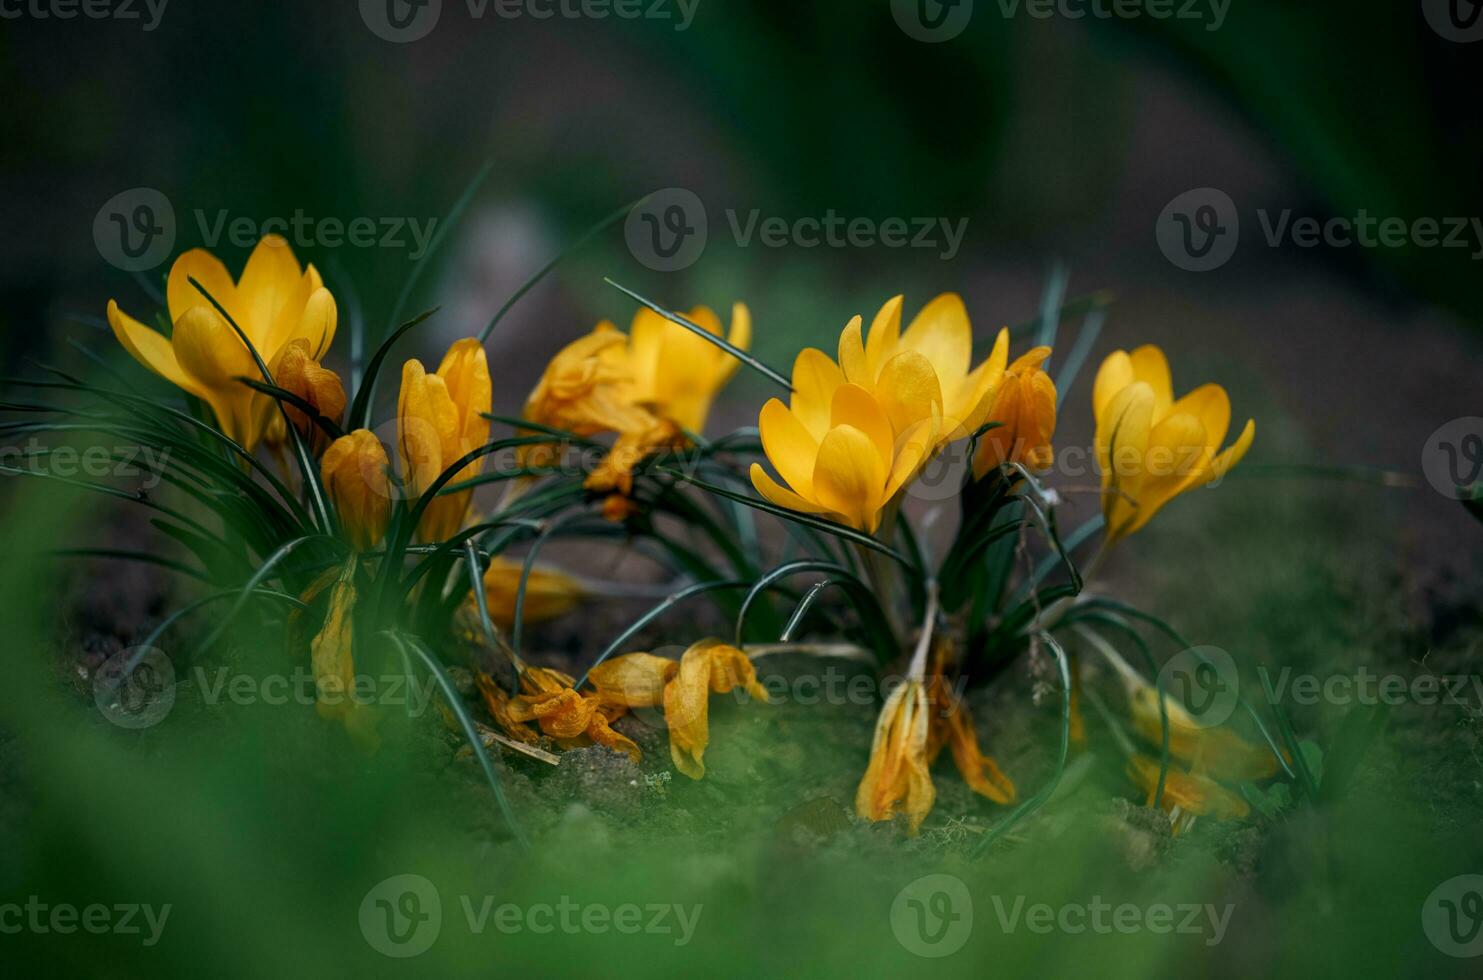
(1152, 448)
(295, 370)
(1216, 750)
(1025, 405)
(950, 724)
(440, 419)
(548, 593)
(836, 445)
(548, 699)
(588, 388)
(274, 302)
(1187, 795)
(925, 366)
(677, 374)
(898, 771)
(614, 475)
(354, 469)
(638, 680)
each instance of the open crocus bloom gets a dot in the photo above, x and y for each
(274, 303)
(928, 364)
(676, 373)
(440, 419)
(1152, 448)
(838, 446)
(898, 771)
(638, 680)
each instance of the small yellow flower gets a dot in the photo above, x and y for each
(274, 303)
(639, 680)
(1025, 404)
(548, 593)
(295, 370)
(1186, 794)
(354, 469)
(898, 771)
(950, 724)
(1152, 448)
(440, 419)
(925, 366)
(588, 388)
(1216, 750)
(676, 374)
(836, 446)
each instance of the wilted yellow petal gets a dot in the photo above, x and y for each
(634, 680)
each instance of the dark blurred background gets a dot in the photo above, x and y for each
(1057, 138)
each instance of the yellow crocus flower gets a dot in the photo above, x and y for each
(898, 775)
(548, 593)
(927, 365)
(440, 419)
(1187, 795)
(1151, 448)
(588, 389)
(274, 302)
(836, 444)
(354, 470)
(1025, 405)
(638, 680)
(1216, 750)
(676, 373)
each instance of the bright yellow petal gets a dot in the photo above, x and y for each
(968, 407)
(852, 355)
(772, 492)
(209, 351)
(1212, 406)
(1227, 460)
(854, 406)
(885, 337)
(909, 390)
(150, 348)
(850, 477)
(1152, 367)
(815, 377)
(789, 446)
(914, 448)
(739, 337)
(269, 284)
(942, 334)
(1122, 441)
(206, 269)
(1177, 458)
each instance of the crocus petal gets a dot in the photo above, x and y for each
(850, 477)
(815, 377)
(790, 447)
(781, 496)
(1177, 457)
(150, 348)
(211, 353)
(898, 771)
(968, 407)
(1115, 374)
(852, 355)
(914, 447)
(1212, 406)
(1122, 441)
(1152, 367)
(739, 337)
(885, 337)
(634, 680)
(854, 406)
(909, 390)
(1227, 460)
(941, 333)
(205, 268)
(269, 284)
(686, 712)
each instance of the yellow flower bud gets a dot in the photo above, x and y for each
(440, 419)
(296, 371)
(354, 469)
(1025, 405)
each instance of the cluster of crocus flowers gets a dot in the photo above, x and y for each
(441, 418)
(1151, 447)
(650, 387)
(683, 688)
(855, 432)
(274, 303)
